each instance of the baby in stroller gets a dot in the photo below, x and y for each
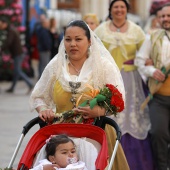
(60, 154)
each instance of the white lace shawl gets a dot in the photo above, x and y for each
(134, 35)
(100, 67)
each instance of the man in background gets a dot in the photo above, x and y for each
(157, 48)
(44, 42)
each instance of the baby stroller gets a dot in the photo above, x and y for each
(75, 130)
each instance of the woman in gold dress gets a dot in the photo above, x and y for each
(82, 60)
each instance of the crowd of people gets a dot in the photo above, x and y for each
(118, 52)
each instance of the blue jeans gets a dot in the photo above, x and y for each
(19, 73)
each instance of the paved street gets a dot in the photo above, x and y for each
(14, 114)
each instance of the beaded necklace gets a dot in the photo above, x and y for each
(118, 27)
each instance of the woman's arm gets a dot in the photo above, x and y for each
(41, 98)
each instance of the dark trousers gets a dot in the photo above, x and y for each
(159, 112)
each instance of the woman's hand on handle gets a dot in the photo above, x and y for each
(45, 114)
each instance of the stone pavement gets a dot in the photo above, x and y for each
(14, 114)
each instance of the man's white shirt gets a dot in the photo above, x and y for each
(144, 54)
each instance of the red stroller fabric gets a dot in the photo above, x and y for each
(74, 130)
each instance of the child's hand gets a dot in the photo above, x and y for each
(50, 167)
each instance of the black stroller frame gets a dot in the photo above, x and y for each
(99, 122)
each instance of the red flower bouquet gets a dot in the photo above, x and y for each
(108, 97)
(116, 101)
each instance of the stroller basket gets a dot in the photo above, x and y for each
(76, 130)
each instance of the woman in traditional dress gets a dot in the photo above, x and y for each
(123, 39)
(82, 62)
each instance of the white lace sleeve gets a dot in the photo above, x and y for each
(113, 76)
(42, 93)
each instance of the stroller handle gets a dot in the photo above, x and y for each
(32, 123)
(26, 128)
(106, 120)
(99, 122)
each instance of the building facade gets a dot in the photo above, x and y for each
(67, 10)
(100, 7)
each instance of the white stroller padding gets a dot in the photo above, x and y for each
(87, 150)
(76, 166)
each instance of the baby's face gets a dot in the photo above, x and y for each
(65, 154)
